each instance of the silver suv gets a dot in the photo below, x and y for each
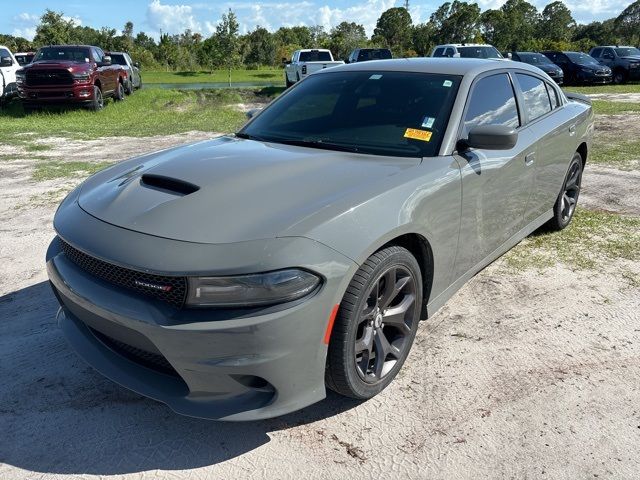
(466, 50)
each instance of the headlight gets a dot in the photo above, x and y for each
(20, 77)
(81, 77)
(251, 290)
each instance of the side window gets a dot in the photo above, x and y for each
(96, 55)
(553, 95)
(536, 98)
(608, 54)
(492, 102)
(439, 52)
(449, 52)
(596, 52)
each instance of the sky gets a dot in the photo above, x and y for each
(174, 16)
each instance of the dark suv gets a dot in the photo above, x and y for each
(542, 62)
(623, 61)
(70, 74)
(579, 68)
(365, 54)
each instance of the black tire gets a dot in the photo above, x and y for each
(98, 101)
(567, 200)
(287, 83)
(619, 76)
(360, 323)
(128, 88)
(119, 94)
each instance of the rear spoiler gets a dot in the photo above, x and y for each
(578, 97)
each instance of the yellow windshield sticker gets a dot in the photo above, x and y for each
(417, 134)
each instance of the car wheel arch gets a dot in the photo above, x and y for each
(583, 150)
(420, 247)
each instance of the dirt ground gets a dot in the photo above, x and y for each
(525, 374)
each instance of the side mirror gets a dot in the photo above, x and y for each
(456, 55)
(137, 64)
(106, 61)
(253, 112)
(6, 62)
(286, 61)
(490, 137)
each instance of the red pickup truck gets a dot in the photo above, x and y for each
(70, 74)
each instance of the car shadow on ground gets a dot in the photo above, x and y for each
(59, 416)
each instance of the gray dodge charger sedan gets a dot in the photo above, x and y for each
(237, 278)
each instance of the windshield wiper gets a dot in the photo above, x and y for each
(248, 136)
(318, 143)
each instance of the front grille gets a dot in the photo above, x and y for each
(36, 78)
(153, 361)
(172, 290)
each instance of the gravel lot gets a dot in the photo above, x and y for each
(529, 373)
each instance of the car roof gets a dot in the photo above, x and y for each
(464, 45)
(614, 46)
(446, 66)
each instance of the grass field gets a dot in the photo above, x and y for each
(275, 76)
(626, 88)
(146, 113)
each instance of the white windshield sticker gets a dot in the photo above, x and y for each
(428, 122)
(375, 77)
(447, 83)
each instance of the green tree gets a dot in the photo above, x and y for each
(393, 29)
(595, 33)
(345, 37)
(456, 21)
(227, 43)
(628, 23)
(423, 38)
(556, 23)
(512, 27)
(54, 29)
(260, 47)
(127, 36)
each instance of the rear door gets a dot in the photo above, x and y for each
(553, 126)
(496, 184)
(107, 74)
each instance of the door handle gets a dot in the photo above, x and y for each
(572, 130)
(529, 159)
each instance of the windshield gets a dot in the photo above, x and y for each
(381, 113)
(374, 54)
(479, 52)
(315, 56)
(534, 58)
(118, 59)
(74, 54)
(581, 58)
(628, 52)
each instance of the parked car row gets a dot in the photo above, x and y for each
(67, 74)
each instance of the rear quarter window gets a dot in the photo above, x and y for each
(536, 98)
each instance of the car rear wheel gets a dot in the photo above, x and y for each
(567, 200)
(98, 100)
(375, 325)
(286, 81)
(128, 89)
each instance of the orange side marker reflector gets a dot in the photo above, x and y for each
(332, 318)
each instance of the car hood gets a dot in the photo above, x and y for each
(62, 64)
(230, 190)
(632, 58)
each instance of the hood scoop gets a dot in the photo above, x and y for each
(168, 184)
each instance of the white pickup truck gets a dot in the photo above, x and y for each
(305, 62)
(8, 68)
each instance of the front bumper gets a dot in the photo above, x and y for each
(80, 93)
(214, 364)
(593, 78)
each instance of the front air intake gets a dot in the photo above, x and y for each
(168, 184)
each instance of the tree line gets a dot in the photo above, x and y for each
(517, 25)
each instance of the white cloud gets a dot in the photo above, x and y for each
(172, 18)
(25, 25)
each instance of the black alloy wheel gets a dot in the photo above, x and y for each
(376, 324)
(567, 200)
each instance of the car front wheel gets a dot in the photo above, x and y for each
(120, 92)
(375, 325)
(98, 101)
